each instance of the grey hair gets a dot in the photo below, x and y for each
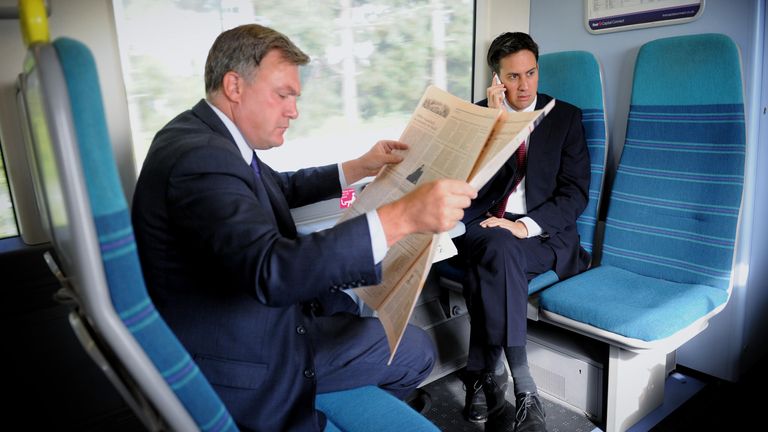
(241, 50)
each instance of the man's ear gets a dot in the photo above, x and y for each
(232, 86)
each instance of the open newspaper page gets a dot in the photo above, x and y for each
(446, 137)
(511, 130)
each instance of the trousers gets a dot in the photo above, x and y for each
(499, 267)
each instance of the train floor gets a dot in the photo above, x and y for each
(712, 404)
(446, 401)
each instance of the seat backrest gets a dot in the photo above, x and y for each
(87, 219)
(575, 77)
(676, 198)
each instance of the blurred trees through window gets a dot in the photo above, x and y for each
(371, 61)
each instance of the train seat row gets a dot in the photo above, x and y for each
(667, 251)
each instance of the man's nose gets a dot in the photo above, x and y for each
(292, 111)
(523, 83)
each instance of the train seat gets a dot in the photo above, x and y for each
(88, 223)
(86, 217)
(672, 221)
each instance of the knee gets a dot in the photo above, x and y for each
(496, 244)
(417, 350)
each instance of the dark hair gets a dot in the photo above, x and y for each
(242, 48)
(510, 43)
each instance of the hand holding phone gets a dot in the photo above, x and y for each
(495, 92)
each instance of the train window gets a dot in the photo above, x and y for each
(371, 62)
(7, 218)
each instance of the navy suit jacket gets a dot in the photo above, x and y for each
(231, 283)
(556, 184)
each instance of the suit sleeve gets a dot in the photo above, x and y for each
(212, 204)
(571, 189)
(309, 185)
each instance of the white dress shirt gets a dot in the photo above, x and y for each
(516, 202)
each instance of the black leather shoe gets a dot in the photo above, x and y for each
(475, 408)
(529, 413)
(495, 389)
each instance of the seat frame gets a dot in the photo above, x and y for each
(94, 319)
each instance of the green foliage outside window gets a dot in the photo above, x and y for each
(371, 61)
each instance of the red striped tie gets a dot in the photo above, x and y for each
(520, 166)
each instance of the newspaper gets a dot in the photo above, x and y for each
(448, 138)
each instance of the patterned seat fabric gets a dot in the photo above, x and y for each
(675, 203)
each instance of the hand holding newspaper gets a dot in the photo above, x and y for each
(448, 138)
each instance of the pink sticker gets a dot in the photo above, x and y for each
(347, 198)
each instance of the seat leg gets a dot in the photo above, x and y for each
(635, 386)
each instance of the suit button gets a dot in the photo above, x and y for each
(301, 330)
(334, 289)
(309, 373)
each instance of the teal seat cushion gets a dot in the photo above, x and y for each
(629, 304)
(542, 281)
(370, 409)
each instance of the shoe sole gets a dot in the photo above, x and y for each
(475, 421)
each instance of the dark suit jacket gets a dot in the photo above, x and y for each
(230, 282)
(556, 185)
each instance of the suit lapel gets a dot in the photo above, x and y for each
(541, 133)
(280, 209)
(536, 149)
(279, 204)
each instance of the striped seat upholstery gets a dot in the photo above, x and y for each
(118, 249)
(575, 77)
(672, 219)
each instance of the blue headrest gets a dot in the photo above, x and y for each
(572, 76)
(688, 70)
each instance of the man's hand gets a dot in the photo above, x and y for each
(371, 162)
(517, 228)
(495, 93)
(433, 207)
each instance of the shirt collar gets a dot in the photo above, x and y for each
(245, 150)
(529, 108)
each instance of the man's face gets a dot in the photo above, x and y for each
(520, 75)
(268, 102)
